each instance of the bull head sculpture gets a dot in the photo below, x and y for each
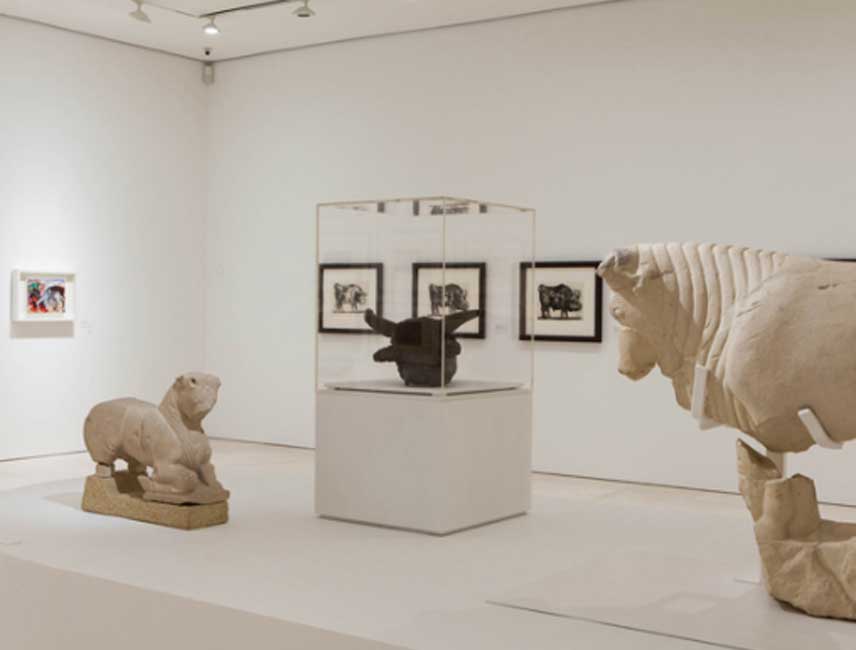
(417, 346)
(774, 332)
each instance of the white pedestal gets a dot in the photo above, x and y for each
(431, 463)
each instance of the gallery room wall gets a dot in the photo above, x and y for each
(102, 172)
(646, 120)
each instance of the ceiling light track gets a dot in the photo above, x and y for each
(210, 28)
(249, 6)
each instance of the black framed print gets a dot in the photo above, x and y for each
(345, 292)
(466, 288)
(567, 298)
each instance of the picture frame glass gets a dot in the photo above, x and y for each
(464, 291)
(43, 297)
(347, 292)
(566, 300)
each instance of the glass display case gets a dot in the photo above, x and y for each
(424, 374)
(423, 296)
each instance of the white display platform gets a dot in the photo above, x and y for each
(396, 386)
(436, 463)
(678, 596)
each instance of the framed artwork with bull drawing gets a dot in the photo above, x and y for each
(345, 293)
(465, 290)
(43, 297)
(567, 298)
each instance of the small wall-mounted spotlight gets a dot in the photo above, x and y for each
(210, 28)
(139, 14)
(305, 11)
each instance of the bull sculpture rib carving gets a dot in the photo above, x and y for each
(776, 335)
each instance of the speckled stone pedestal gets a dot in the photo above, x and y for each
(122, 496)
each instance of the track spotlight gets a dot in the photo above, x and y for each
(210, 29)
(139, 14)
(304, 11)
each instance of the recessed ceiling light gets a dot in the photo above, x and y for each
(305, 11)
(210, 29)
(139, 14)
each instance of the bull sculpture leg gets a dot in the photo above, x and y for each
(209, 477)
(178, 484)
(104, 470)
(170, 477)
(136, 468)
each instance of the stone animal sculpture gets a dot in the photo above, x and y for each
(456, 298)
(352, 295)
(168, 438)
(773, 336)
(560, 298)
(417, 348)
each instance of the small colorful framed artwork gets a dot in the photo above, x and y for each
(43, 297)
(567, 298)
(465, 289)
(345, 292)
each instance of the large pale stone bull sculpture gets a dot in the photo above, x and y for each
(774, 336)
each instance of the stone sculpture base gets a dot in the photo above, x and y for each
(122, 496)
(807, 561)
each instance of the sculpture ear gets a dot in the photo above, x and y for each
(620, 267)
(378, 324)
(183, 380)
(454, 321)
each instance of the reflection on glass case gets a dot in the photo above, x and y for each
(435, 282)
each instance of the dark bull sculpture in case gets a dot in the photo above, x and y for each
(417, 347)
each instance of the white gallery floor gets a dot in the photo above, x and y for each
(594, 565)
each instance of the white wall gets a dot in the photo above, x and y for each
(723, 120)
(726, 120)
(102, 172)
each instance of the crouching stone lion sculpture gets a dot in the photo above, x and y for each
(168, 438)
(762, 342)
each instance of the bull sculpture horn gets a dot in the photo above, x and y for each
(379, 324)
(619, 267)
(423, 348)
(454, 321)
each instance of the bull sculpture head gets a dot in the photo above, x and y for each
(417, 346)
(642, 306)
(769, 330)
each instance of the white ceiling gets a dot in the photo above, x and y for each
(266, 29)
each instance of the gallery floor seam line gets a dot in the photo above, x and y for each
(57, 454)
(629, 628)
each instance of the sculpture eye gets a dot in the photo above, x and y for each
(193, 380)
